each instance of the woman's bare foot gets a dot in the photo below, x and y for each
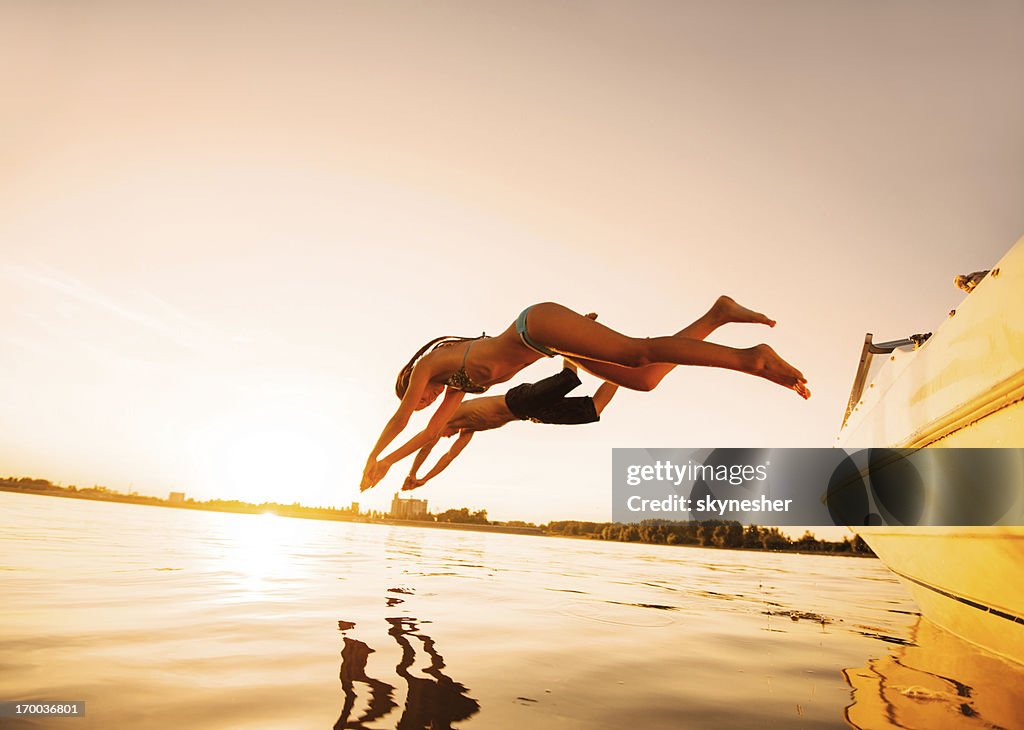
(766, 363)
(726, 309)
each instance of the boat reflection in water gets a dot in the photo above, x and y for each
(434, 702)
(935, 681)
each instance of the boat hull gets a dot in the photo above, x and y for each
(965, 579)
(964, 388)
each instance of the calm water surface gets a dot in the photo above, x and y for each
(163, 618)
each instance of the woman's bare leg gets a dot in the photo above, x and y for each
(572, 334)
(724, 311)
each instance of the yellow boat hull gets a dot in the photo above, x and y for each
(963, 388)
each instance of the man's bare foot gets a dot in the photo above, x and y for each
(767, 363)
(728, 310)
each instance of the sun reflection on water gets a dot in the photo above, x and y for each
(258, 557)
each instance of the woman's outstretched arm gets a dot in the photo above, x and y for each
(375, 472)
(418, 380)
(461, 442)
(452, 399)
(421, 456)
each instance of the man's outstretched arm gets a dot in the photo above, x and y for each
(461, 442)
(428, 435)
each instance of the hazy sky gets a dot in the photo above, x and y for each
(224, 227)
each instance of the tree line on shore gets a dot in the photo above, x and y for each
(719, 534)
(711, 533)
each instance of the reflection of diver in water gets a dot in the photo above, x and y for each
(432, 704)
(353, 669)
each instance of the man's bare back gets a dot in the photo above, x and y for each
(480, 414)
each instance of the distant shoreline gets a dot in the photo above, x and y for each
(101, 494)
(279, 510)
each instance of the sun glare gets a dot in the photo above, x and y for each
(258, 551)
(274, 455)
(273, 464)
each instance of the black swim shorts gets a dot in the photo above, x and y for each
(545, 401)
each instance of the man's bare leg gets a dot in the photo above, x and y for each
(604, 395)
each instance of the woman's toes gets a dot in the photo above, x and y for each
(733, 311)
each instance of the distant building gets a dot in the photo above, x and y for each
(176, 498)
(354, 509)
(407, 509)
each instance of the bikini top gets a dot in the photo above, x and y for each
(460, 380)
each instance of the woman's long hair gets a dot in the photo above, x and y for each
(402, 382)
